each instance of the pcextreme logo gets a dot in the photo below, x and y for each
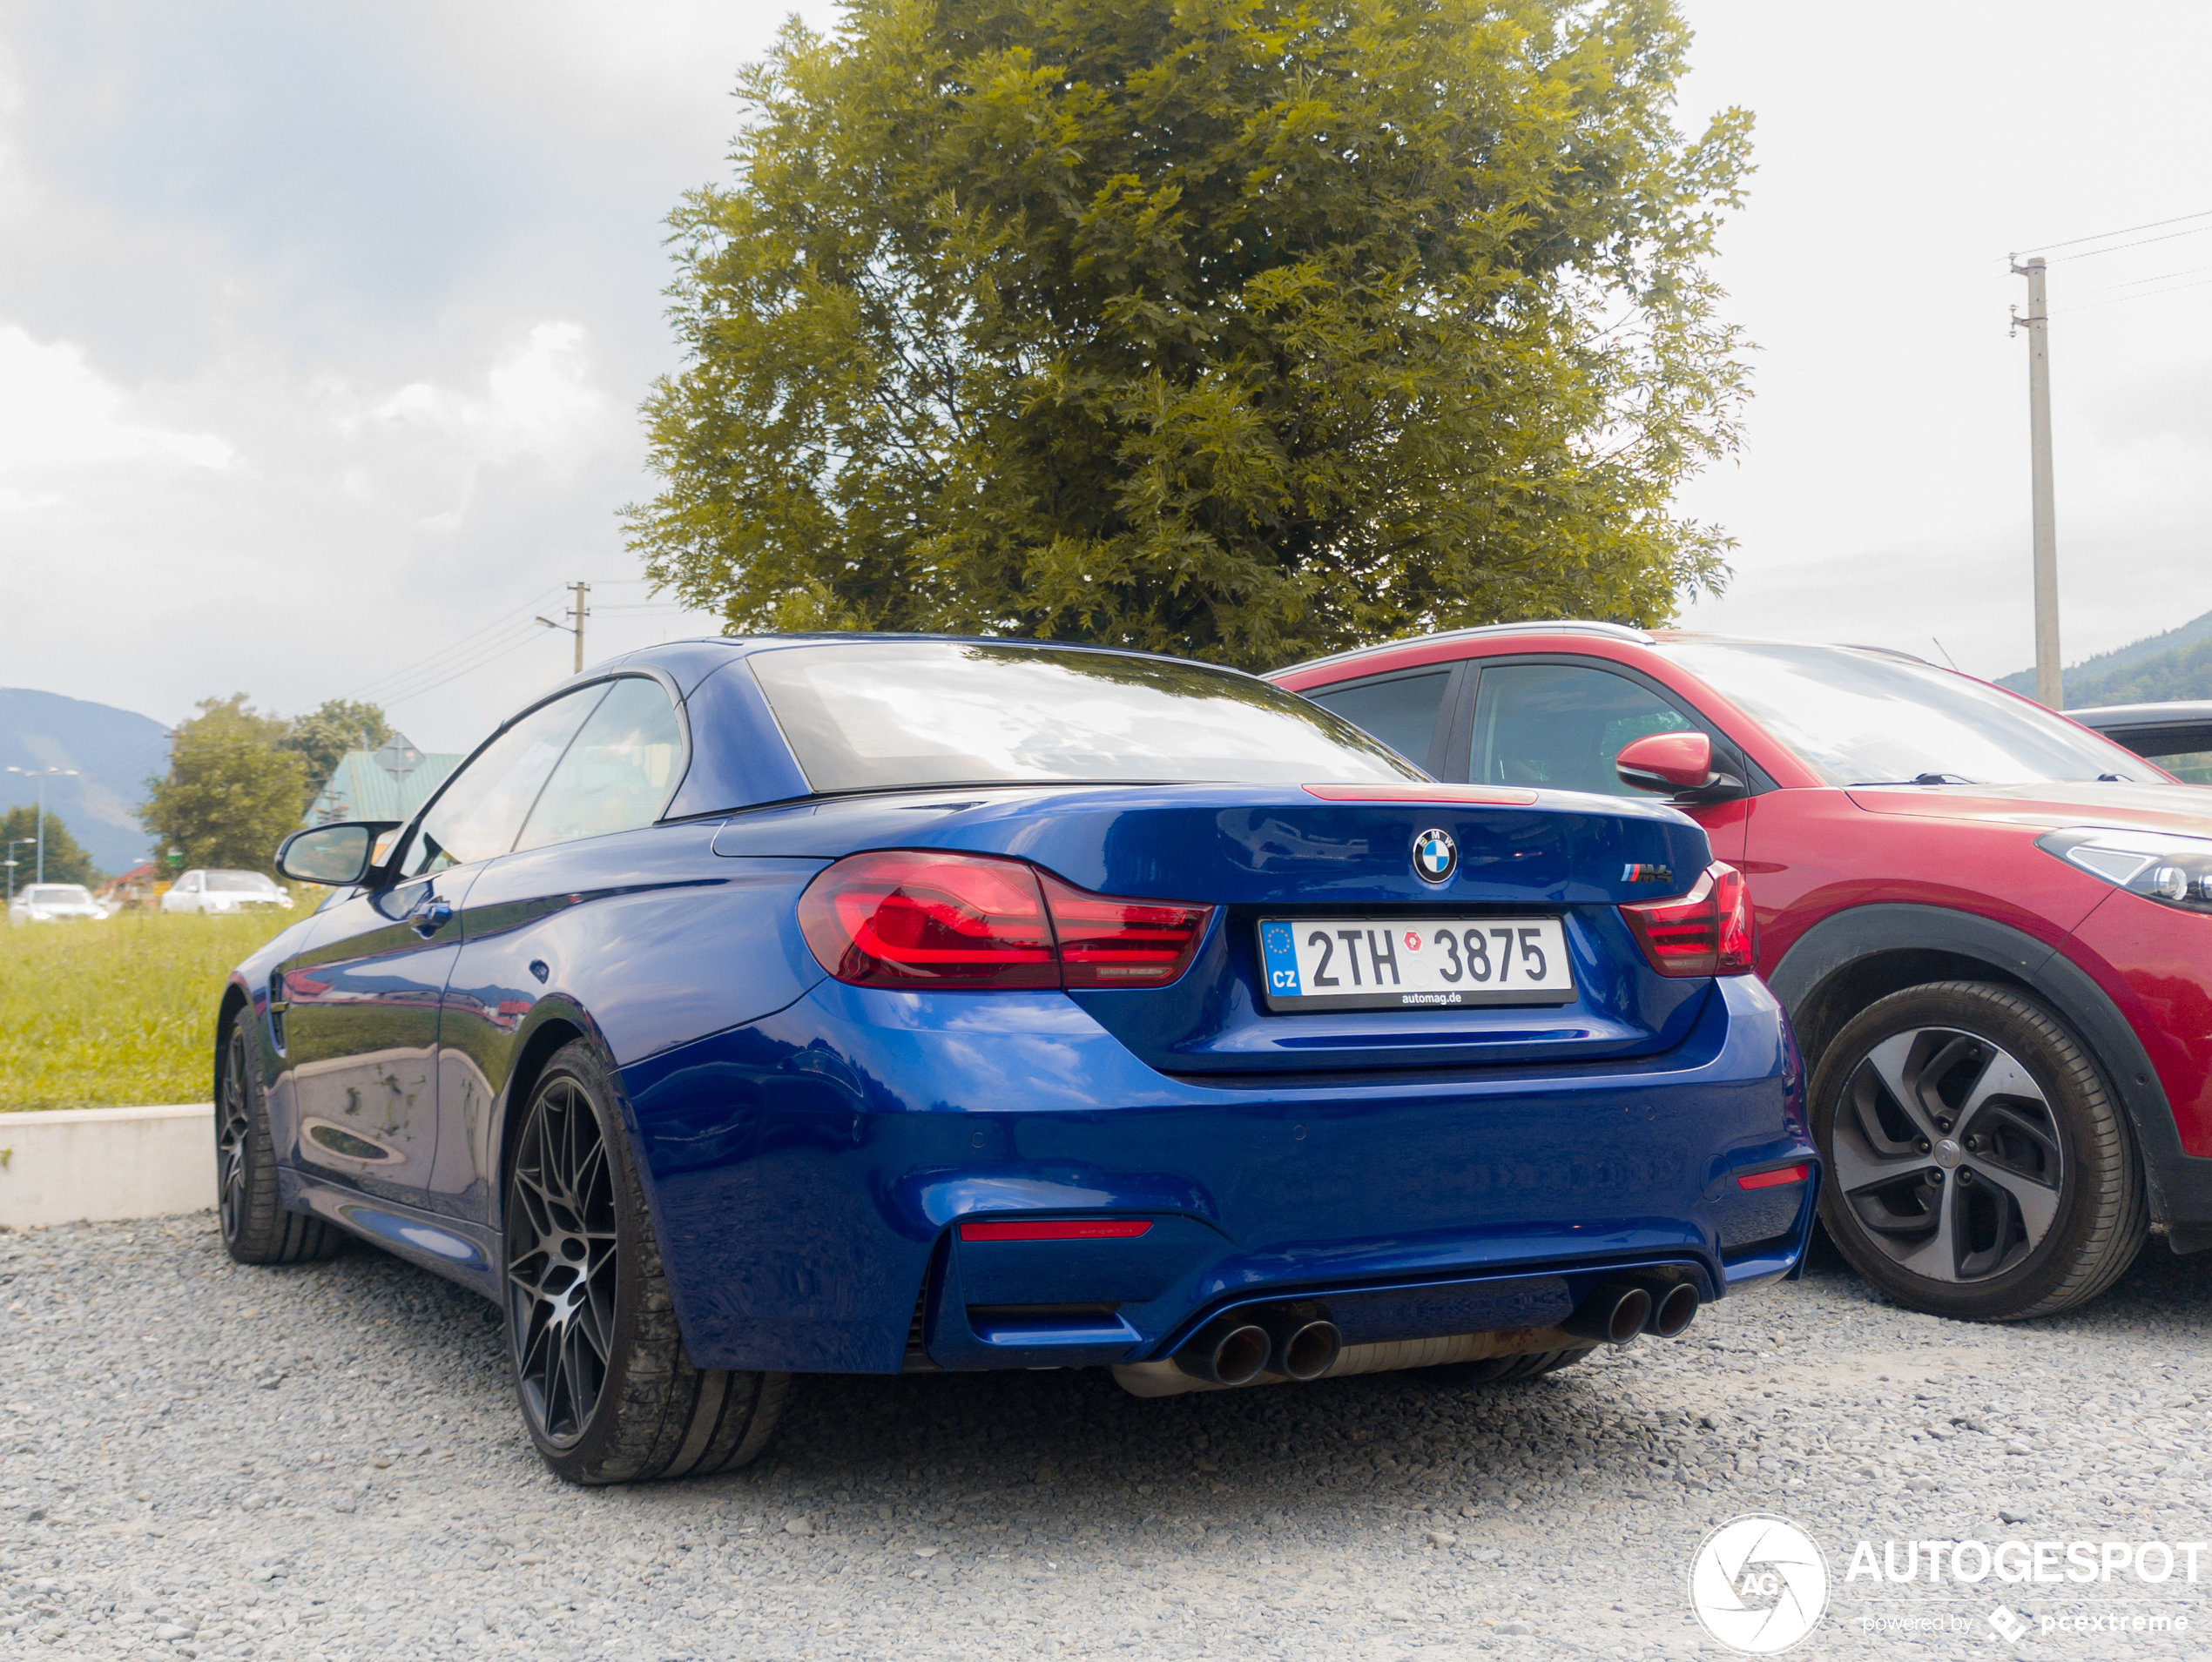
(1758, 1584)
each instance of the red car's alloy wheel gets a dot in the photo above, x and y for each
(1949, 1155)
(1979, 1165)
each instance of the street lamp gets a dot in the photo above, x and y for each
(41, 775)
(11, 862)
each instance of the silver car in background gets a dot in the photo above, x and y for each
(218, 892)
(54, 903)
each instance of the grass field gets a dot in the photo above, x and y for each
(115, 1014)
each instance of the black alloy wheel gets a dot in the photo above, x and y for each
(561, 1262)
(256, 1230)
(1978, 1165)
(607, 1393)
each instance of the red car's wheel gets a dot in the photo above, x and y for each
(1978, 1166)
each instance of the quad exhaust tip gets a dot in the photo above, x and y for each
(1674, 1310)
(1612, 1314)
(1228, 1350)
(1304, 1342)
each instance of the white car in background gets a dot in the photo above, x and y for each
(220, 892)
(49, 903)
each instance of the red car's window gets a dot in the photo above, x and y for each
(1400, 710)
(1560, 726)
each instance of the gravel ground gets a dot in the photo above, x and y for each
(198, 1459)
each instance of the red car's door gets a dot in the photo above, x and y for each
(1558, 720)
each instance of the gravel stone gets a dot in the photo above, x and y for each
(324, 1461)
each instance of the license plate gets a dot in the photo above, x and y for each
(1424, 963)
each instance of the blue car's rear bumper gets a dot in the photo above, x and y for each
(806, 1173)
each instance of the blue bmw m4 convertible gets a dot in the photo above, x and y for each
(754, 1008)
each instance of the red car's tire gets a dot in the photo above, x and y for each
(1979, 1165)
(607, 1394)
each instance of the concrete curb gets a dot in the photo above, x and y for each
(93, 1164)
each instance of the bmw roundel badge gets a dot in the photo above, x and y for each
(1436, 855)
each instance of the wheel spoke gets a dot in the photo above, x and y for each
(2002, 1077)
(2039, 1205)
(1892, 1061)
(1937, 1256)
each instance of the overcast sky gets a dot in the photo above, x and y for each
(323, 329)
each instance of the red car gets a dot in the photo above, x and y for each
(1992, 926)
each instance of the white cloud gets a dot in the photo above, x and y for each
(538, 401)
(57, 412)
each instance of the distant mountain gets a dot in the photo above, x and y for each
(115, 752)
(2177, 664)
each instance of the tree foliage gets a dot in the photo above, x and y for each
(1247, 329)
(233, 791)
(67, 860)
(322, 736)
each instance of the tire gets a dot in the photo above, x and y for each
(1499, 1370)
(1978, 1164)
(256, 1230)
(606, 1391)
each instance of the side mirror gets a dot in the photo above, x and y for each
(332, 855)
(1679, 765)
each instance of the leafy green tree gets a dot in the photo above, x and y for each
(233, 791)
(67, 860)
(1247, 329)
(322, 736)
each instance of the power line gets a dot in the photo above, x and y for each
(404, 671)
(2121, 247)
(2129, 299)
(2124, 230)
(417, 692)
(2137, 282)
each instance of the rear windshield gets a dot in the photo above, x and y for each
(1861, 717)
(876, 716)
(59, 894)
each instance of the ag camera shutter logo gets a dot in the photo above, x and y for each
(1758, 1584)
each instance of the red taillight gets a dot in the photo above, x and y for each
(1105, 942)
(908, 919)
(914, 919)
(1775, 1179)
(1055, 1229)
(1708, 932)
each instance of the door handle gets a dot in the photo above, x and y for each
(430, 916)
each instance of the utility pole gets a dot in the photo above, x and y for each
(2049, 684)
(578, 612)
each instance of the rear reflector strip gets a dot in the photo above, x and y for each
(1412, 790)
(1054, 1228)
(1775, 1179)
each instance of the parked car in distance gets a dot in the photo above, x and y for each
(752, 1008)
(52, 903)
(217, 892)
(2177, 736)
(1992, 928)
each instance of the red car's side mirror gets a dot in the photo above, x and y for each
(1676, 764)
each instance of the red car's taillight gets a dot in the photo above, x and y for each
(916, 918)
(1708, 932)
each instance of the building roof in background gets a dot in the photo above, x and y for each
(388, 783)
